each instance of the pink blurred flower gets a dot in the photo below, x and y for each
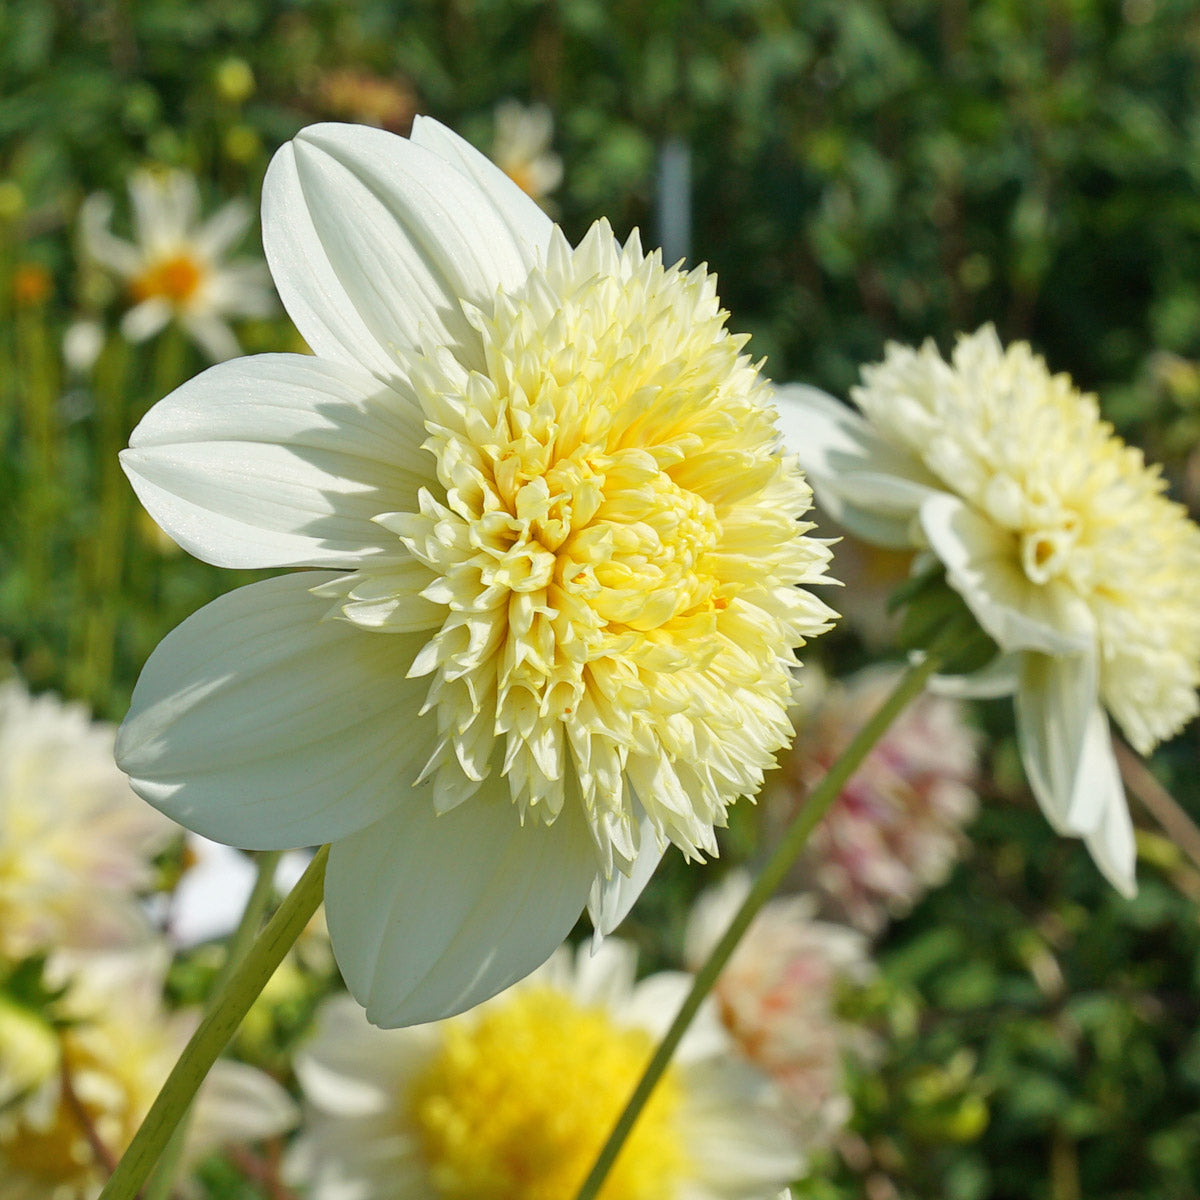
(777, 999)
(896, 829)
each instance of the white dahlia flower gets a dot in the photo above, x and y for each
(75, 843)
(60, 1135)
(552, 624)
(777, 999)
(1058, 538)
(513, 1100)
(176, 268)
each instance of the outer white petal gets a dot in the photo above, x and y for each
(1000, 677)
(144, 320)
(1111, 844)
(238, 1103)
(374, 241)
(212, 335)
(982, 565)
(1057, 712)
(258, 723)
(526, 220)
(278, 460)
(611, 899)
(863, 482)
(431, 914)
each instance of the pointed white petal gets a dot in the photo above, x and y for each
(258, 723)
(863, 482)
(1111, 844)
(611, 899)
(278, 460)
(223, 228)
(144, 320)
(212, 335)
(1056, 708)
(430, 914)
(238, 1103)
(99, 244)
(983, 566)
(374, 241)
(526, 220)
(1000, 677)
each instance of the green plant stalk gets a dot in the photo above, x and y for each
(771, 876)
(230, 1005)
(163, 1180)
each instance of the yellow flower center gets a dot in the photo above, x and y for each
(175, 279)
(518, 1101)
(608, 550)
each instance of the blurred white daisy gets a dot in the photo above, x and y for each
(896, 828)
(75, 843)
(61, 1134)
(559, 626)
(176, 267)
(513, 1100)
(1057, 536)
(777, 998)
(521, 148)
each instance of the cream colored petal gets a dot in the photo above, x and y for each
(611, 899)
(278, 460)
(983, 566)
(259, 723)
(374, 242)
(431, 914)
(1111, 844)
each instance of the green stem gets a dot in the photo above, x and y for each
(163, 1180)
(772, 875)
(245, 983)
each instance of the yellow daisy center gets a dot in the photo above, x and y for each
(517, 1102)
(608, 549)
(175, 278)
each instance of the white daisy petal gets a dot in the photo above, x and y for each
(1111, 844)
(144, 320)
(430, 914)
(374, 243)
(1018, 613)
(99, 244)
(523, 216)
(222, 230)
(862, 481)
(1056, 707)
(278, 460)
(212, 335)
(257, 723)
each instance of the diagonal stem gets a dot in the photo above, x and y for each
(771, 876)
(245, 983)
(1158, 802)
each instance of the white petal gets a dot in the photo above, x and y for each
(373, 241)
(278, 460)
(223, 228)
(1111, 844)
(212, 335)
(863, 482)
(98, 242)
(611, 899)
(982, 565)
(1000, 677)
(430, 914)
(1056, 711)
(238, 1103)
(260, 724)
(526, 220)
(144, 320)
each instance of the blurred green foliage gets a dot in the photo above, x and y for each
(862, 171)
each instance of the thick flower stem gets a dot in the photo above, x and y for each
(245, 983)
(162, 1183)
(771, 876)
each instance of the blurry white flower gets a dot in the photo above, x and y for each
(521, 148)
(777, 999)
(58, 1139)
(895, 830)
(557, 629)
(75, 843)
(82, 343)
(513, 1100)
(176, 267)
(1057, 536)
